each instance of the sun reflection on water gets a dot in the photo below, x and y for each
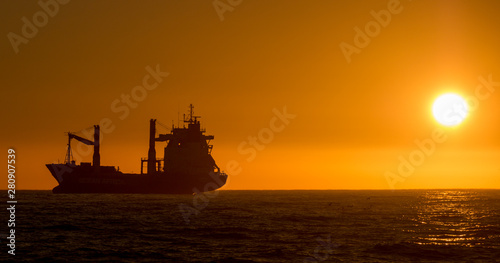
(464, 218)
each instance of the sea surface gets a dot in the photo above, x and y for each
(257, 226)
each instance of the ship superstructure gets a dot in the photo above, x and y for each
(187, 166)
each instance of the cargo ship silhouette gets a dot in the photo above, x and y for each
(188, 166)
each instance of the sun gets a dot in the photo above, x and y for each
(450, 109)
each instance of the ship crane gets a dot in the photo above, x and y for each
(96, 158)
(187, 165)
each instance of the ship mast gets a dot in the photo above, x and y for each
(191, 107)
(152, 151)
(69, 156)
(191, 118)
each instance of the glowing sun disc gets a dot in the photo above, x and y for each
(450, 109)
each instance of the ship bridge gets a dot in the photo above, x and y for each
(188, 149)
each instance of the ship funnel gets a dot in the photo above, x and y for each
(152, 150)
(96, 159)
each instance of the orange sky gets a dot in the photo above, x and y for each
(354, 121)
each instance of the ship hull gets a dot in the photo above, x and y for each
(105, 179)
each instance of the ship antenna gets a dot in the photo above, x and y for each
(190, 117)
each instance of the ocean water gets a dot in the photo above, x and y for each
(258, 226)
